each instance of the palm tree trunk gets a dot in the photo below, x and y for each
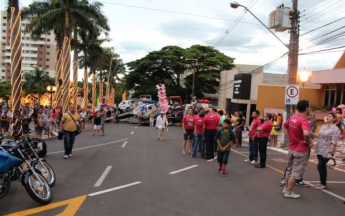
(16, 58)
(75, 68)
(58, 69)
(66, 64)
(94, 104)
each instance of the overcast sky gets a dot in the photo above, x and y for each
(137, 31)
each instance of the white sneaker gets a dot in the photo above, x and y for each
(253, 162)
(284, 190)
(247, 160)
(70, 155)
(65, 157)
(292, 195)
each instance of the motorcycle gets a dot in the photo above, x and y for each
(15, 166)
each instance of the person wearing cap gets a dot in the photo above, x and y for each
(161, 124)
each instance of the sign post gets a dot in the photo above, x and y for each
(291, 94)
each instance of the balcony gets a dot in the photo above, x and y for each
(33, 42)
(29, 62)
(29, 55)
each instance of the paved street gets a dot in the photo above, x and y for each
(132, 157)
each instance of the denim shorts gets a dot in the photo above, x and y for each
(223, 157)
(39, 129)
(189, 134)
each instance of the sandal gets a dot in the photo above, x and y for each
(320, 187)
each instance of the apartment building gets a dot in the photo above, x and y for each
(40, 52)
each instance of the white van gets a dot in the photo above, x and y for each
(127, 105)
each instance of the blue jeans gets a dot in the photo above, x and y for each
(253, 149)
(69, 138)
(84, 122)
(198, 140)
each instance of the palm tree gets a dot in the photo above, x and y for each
(36, 82)
(69, 11)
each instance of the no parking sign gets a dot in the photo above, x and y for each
(291, 94)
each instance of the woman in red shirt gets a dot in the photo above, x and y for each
(188, 131)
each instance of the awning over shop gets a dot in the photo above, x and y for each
(328, 76)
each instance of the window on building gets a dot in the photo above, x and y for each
(48, 41)
(41, 52)
(40, 59)
(4, 31)
(48, 53)
(3, 70)
(3, 37)
(334, 95)
(47, 59)
(4, 24)
(4, 17)
(47, 72)
(48, 46)
(3, 77)
(49, 33)
(3, 64)
(41, 45)
(47, 66)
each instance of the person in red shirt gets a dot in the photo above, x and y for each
(211, 125)
(199, 130)
(263, 132)
(188, 131)
(297, 128)
(253, 141)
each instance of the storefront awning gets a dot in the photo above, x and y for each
(328, 76)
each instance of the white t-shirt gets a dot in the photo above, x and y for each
(83, 114)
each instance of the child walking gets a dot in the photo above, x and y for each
(97, 123)
(225, 139)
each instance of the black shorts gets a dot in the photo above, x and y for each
(189, 134)
(223, 157)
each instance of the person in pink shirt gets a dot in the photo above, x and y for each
(253, 141)
(297, 128)
(199, 130)
(211, 128)
(263, 132)
(188, 131)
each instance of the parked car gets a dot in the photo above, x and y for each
(199, 104)
(127, 105)
(148, 109)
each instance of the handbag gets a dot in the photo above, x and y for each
(77, 131)
(60, 135)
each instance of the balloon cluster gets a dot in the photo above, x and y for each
(163, 102)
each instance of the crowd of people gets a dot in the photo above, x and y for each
(210, 130)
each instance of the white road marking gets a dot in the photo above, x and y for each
(328, 192)
(124, 144)
(212, 159)
(331, 182)
(104, 174)
(181, 170)
(132, 132)
(103, 144)
(136, 127)
(114, 189)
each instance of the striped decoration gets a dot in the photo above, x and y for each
(66, 67)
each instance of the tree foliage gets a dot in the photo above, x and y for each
(5, 90)
(171, 64)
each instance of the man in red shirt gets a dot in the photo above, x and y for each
(253, 141)
(263, 132)
(211, 124)
(199, 130)
(298, 130)
(188, 131)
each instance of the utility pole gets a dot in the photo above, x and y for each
(293, 54)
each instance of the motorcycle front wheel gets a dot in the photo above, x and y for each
(38, 188)
(46, 171)
(5, 184)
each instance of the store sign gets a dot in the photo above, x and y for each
(291, 94)
(242, 86)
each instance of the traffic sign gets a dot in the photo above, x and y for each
(291, 94)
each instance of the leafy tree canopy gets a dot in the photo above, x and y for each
(172, 63)
(5, 90)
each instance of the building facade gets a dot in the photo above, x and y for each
(35, 53)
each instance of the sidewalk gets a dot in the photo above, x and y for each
(339, 154)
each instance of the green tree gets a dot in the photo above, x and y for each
(205, 64)
(37, 82)
(5, 92)
(163, 66)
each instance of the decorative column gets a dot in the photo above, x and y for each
(100, 98)
(75, 83)
(94, 103)
(66, 66)
(16, 62)
(86, 88)
(58, 67)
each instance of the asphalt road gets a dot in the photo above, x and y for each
(138, 180)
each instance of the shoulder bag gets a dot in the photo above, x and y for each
(77, 132)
